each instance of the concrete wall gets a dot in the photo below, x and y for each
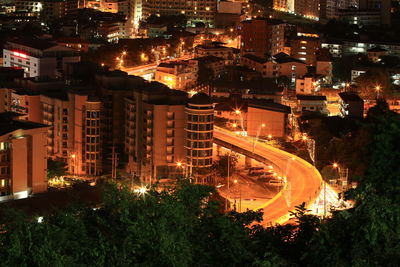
(274, 123)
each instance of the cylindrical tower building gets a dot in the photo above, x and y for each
(199, 132)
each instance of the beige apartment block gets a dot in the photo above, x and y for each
(23, 157)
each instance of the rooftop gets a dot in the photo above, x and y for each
(33, 43)
(268, 105)
(256, 58)
(208, 59)
(9, 122)
(200, 99)
(311, 97)
(284, 58)
(350, 97)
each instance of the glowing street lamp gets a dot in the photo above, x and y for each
(378, 90)
(237, 111)
(234, 125)
(141, 191)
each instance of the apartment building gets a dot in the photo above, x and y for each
(314, 103)
(304, 47)
(216, 64)
(195, 11)
(216, 50)
(307, 8)
(155, 131)
(23, 158)
(34, 6)
(177, 75)
(53, 9)
(199, 133)
(267, 68)
(309, 84)
(262, 36)
(75, 130)
(38, 57)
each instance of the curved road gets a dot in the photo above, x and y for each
(304, 181)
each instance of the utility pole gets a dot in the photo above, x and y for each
(228, 191)
(114, 163)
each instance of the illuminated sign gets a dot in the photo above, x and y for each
(19, 54)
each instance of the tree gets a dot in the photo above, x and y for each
(175, 227)
(368, 82)
(368, 234)
(56, 167)
(221, 165)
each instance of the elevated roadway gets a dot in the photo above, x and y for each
(303, 180)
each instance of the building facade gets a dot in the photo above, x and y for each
(23, 157)
(262, 36)
(195, 11)
(38, 57)
(155, 132)
(199, 133)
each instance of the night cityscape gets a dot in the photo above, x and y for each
(200, 133)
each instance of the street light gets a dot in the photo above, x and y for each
(180, 164)
(240, 194)
(377, 89)
(257, 135)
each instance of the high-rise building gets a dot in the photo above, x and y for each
(199, 133)
(75, 132)
(23, 158)
(262, 36)
(195, 11)
(155, 131)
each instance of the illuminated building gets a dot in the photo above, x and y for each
(314, 103)
(94, 24)
(75, 132)
(29, 5)
(216, 50)
(199, 132)
(155, 131)
(306, 8)
(23, 158)
(308, 84)
(267, 119)
(279, 65)
(177, 75)
(304, 47)
(195, 11)
(38, 57)
(262, 36)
